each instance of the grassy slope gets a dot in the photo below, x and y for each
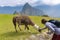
(7, 31)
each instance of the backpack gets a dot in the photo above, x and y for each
(55, 22)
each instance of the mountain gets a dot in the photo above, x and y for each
(29, 10)
(53, 11)
(45, 8)
(16, 12)
(9, 9)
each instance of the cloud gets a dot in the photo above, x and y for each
(51, 2)
(32, 2)
(15, 2)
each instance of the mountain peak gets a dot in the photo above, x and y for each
(29, 10)
(27, 5)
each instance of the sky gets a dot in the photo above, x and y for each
(32, 2)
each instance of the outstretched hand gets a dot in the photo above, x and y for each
(40, 30)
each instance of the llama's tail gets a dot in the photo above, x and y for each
(14, 21)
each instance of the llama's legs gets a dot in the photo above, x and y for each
(14, 22)
(26, 26)
(19, 27)
(15, 28)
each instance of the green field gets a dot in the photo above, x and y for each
(7, 31)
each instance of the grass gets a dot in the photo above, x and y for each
(7, 31)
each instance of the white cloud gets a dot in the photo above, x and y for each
(51, 2)
(32, 2)
(15, 2)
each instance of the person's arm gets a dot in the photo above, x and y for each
(43, 28)
(50, 27)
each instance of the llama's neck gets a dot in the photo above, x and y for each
(35, 25)
(31, 23)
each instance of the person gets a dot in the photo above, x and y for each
(53, 28)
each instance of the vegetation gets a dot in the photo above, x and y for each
(7, 31)
(45, 15)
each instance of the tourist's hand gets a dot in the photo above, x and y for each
(39, 30)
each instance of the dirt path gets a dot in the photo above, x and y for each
(41, 36)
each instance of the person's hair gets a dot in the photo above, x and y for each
(43, 21)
